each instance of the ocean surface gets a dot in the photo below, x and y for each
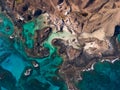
(105, 76)
(14, 62)
(13, 65)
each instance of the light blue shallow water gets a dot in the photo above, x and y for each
(14, 62)
(45, 77)
(15, 65)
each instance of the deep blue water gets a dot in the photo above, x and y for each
(105, 76)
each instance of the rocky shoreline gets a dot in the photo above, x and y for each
(83, 32)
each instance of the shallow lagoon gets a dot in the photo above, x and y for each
(14, 62)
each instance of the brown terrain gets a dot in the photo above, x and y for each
(91, 24)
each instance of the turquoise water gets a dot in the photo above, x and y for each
(14, 62)
(6, 26)
(45, 77)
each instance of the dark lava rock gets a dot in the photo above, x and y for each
(37, 13)
(57, 42)
(109, 53)
(43, 34)
(60, 1)
(27, 17)
(62, 50)
(20, 21)
(82, 62)
(117, 30)
(25, 7)
(40, 52)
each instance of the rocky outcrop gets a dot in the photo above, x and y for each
(43, 34)
(38, 50)
(85, 16)
(87, 28)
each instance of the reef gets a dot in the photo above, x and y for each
(54, 41)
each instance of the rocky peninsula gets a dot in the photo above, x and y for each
(83, 32)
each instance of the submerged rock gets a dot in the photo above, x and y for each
(82, 32)
(6, 78)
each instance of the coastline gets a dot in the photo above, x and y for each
(92, 66)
